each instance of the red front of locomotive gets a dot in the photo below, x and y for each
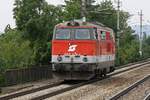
(82, 50)
(74, 50)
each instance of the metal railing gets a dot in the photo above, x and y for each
(15, 76)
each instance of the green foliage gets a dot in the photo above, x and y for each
(129, 47)
(72, 10)
(147, 41)
(129, 52)
(146, 47)
(106, 13)
(36, 20)
(14, 51)
(25, 10)
(2, 80)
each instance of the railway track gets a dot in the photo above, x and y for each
(17, 94)
(62, 90)
(130, 88)
(147, 97)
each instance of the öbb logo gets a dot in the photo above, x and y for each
(72, 48)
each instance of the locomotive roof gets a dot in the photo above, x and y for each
(81, 23)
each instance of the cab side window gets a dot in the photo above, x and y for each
(95, 34)
(103, 35)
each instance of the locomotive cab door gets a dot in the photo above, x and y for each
(99, 44)
(96, 37)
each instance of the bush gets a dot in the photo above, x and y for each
(14, 51)
(2, 80)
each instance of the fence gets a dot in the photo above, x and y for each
(15, 76)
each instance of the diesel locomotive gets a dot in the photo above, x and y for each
(82, 50)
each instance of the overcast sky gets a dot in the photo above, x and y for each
(132, 6)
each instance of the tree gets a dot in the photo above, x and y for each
(36, 20)
(72, 9)
(148, 41)
(14, 51)
(104, 12)
(146, 47)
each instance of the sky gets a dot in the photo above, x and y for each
(132, 6)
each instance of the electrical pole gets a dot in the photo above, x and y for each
(118, 23)
(118, 30)
(83, 9)
(141, 32)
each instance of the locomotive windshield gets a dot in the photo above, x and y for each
(74, 33)
(62, 34)
(82, 34)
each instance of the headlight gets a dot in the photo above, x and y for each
(85, 59)
(59, 58)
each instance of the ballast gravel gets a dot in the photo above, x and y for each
(138, 93)
(104, 89)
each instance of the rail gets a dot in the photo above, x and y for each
(147, 97)
(126, 90)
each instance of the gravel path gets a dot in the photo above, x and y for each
(102, 90)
